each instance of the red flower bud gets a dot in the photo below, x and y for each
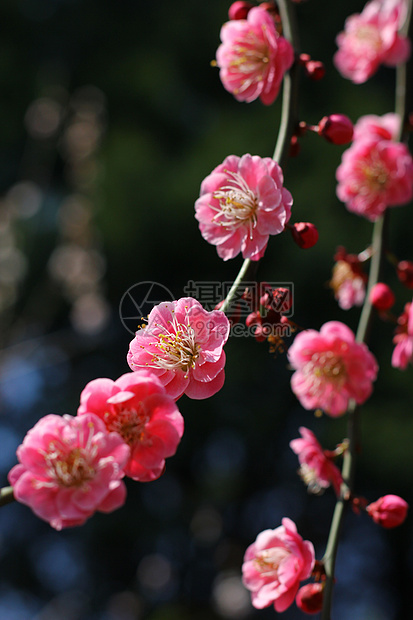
(239, 10)
(336, 128)
(294, 147)
(382, 297)
(388, 511)
(315, 70)
(405, 273)
(304, 234)
(310, 598)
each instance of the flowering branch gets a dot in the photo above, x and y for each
(288, 124)
(378, 250)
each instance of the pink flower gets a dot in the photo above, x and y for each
(253, 57)
(69, 468)
(183, 345)
(137, 407)
(375, 174)
(386, 127)
(348, 280)
(317, 467)
(331, 368)
(388, 511)
(242, 203)
(370, 39)
(275, 564)
(403, 351)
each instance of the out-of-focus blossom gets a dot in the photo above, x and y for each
(183, 345)
(305, 234)
(403, 339)
(405, 272)
(317, 468)
(331, 368)
(388, 511)
(275, 564)
(253, 57)
(310, 598)
(382, 297)
(375, 174)
(386, 127)
(348, 279)
(70, 467)
(137, 407)
(370, 39)
(336, 128)
(242, 203)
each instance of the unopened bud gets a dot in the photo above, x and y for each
(310, 598)
(239, 10)
(294, 147)
(388, 511)
(315, 70)
(405, 273)
(304, 234)
(382, 297)
(336, 128)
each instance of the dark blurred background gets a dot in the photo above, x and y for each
(111, 117)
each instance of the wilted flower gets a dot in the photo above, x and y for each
(331, 368)
(371, 38)
(138, 408)
(69, 468)
(348, 279)
(275, 564)
(242, 203)
(253, 57)
(183, 345)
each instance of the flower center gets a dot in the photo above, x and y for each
(376, 177)
(69, 469)
(237, 204)
(129, 423)
(326, 366)
(309, 476)
(268, 561)
(250, 57)
(367, 37)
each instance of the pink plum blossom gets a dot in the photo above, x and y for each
(242, 203)
(183, 345)
(253, 57)
(388, 511)
(69, 467)
(317, 467)
(371, 38)
(386, 127)
(275, 564)
(331, 368)
(403, 351)
(375, 174)
(138, 408)
(348, 279)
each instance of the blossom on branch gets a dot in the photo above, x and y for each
(371, 38)
(375, 172)
(403, 351)
(317, 468)
(275, 564)
(242, 203)
(138, 408)
(331, 368)
(182, 344)
(253, 57)
(70, 467)
(388, 511)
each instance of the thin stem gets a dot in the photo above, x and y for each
(349, 461)
(288, 123)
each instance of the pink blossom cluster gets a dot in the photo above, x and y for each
(253, 57)
(376, 172)
(243, 202)
(331, 368)
(371, 38)
(70, 467)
